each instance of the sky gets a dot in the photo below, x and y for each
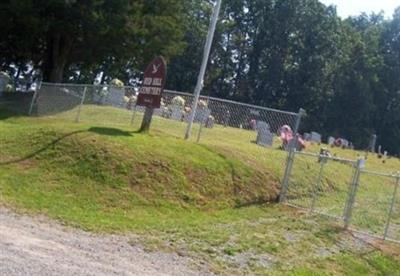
(346, 8)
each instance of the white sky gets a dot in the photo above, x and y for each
(346, 8)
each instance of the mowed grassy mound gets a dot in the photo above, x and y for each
(196, 200)
(78, 172)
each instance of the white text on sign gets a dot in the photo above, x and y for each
(152, 81)
(150, 90)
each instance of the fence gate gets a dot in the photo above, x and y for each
(376, 208)
(321, 184)
(365, 201)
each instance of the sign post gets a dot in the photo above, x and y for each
(151, 91)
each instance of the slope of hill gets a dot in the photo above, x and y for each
(212, 202)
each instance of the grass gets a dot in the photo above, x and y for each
(212, 201)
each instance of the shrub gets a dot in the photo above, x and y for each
(9, 88)
(202, 104)
(178, 101)
(117, 83)
(104, 92)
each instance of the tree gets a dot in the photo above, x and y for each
(184, 68)
(59, 34)
(299, 53)
(387, 118)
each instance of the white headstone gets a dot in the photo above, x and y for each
(316, 137)
(331, 140)
(4, 80)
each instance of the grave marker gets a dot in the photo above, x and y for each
(316, 137)
(331, 140)
(264, 135)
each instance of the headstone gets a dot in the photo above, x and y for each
(264, 135)
(254, 112)
(316, 137)
(253, 124)
(176, 113)
(331, 140)
(210, 122)
(202, 115)
(307, 136)
(115, 97)
(4, 80)
(380, 150)
(345, 143)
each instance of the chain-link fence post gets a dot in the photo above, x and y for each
(133, 114)
(203, 122)
(323, 160)
(33, 102)
(34, 97)
(353, 193)
(290, 158)
(78, 115)
(392, 206)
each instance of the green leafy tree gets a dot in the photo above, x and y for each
(56, 35)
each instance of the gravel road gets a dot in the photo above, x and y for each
(37, 246)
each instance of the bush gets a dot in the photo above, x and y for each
(178, 101)
(202, 104)
(9, 88)
(117, 83)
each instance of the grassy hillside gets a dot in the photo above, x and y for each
(213, 201)
(374, 196)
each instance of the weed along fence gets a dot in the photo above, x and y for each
(364, 201)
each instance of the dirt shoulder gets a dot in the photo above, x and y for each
(36, 246)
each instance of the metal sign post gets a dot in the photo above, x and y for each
(200, 80)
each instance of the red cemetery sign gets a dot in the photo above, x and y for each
(153, 84)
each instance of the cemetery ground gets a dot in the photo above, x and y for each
(214, 202)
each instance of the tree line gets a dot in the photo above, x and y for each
(281, 54)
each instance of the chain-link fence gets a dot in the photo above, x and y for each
(364, 201)
(241, 129)
(376, 209)
(320, 183)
